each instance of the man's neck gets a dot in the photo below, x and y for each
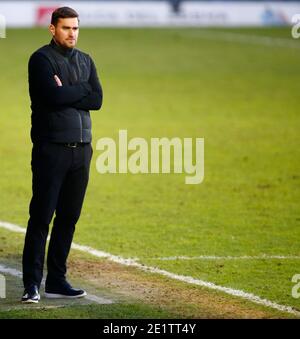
(65, 51)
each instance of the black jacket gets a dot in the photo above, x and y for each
(61, 114)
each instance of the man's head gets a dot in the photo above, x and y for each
(65, 27)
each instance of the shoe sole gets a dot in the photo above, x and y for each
(62, 296)
(30, 301)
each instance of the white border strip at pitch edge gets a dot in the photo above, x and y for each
(16, 273)
(186, 279)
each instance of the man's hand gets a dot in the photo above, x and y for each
(59, 83)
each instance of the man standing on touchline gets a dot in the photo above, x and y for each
(63, 87)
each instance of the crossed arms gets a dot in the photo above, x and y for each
(83, 95)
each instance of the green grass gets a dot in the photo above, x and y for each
(242, 98)
(128, 311)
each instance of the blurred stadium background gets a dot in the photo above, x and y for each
(155, 12)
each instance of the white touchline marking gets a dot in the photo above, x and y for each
(16, 273)
(98, 300)
(12, 227)
(213, 257)
(245, 38)
(10, 271)
(101, 254)
(183, 278)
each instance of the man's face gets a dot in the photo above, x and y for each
(65, 32)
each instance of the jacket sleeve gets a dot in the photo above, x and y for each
(41, 77)
(93, 101)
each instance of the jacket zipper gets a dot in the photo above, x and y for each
(80, 120)
(73, 79)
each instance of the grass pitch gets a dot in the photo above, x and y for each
(241, 97)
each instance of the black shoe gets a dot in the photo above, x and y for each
(31, 294)
(64, 290)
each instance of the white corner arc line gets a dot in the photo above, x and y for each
(187, 279)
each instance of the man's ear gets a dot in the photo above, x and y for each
(52, 29)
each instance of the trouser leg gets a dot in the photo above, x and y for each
(48, 170)
(67, 214)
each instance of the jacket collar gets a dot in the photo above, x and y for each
(66, 52)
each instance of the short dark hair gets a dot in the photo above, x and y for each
(63, 12)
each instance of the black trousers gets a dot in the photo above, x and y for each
(59, 179)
